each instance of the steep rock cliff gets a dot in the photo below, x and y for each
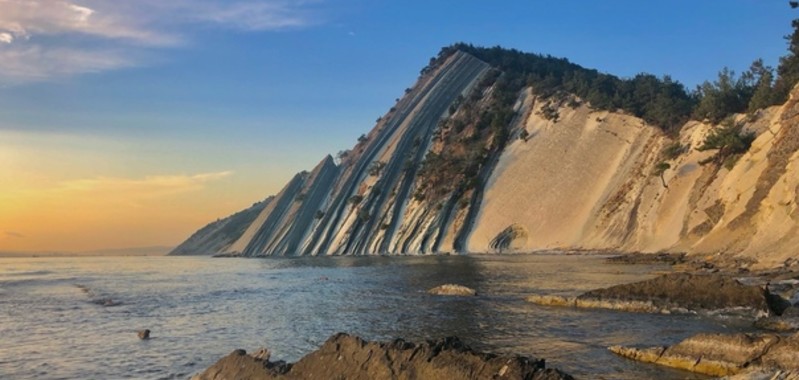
(438, 174)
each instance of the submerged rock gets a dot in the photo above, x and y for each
(675, 292)
(723, 354)
(348, 357)
(452, 290)
(778, 324)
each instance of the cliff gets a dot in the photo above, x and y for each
(448, 169)
(217, 236)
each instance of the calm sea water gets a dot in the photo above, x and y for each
(56, 322)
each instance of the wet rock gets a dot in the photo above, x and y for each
(648, 258)
(452, 290)
(143, 334)
(778, 323)
(349, 357)
(671, 293)
(723, 354)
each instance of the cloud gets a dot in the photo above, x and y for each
(45, 39)
(36, 63)
(253, 15)
(13, 234)
(147, 187)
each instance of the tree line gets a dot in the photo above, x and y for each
(660, 101)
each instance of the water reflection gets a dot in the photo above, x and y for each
(199, 309)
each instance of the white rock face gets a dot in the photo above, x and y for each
(582, 181)
(586, 182)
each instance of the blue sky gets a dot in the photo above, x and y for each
(247, 93)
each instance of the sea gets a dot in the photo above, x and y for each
(77, 317)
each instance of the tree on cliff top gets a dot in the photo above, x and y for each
(788, 70)
(660, 101)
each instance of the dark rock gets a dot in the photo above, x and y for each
(775, 302)
(144, 334)
(648, 258)
(673, 293)
(687, 291)
(349, 357)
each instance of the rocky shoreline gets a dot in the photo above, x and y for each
(768, 299)
(344, 356)
(749, 356)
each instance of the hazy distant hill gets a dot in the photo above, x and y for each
(133, 251)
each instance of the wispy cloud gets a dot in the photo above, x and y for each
(13, 234)
(46, 39)
(147, 187)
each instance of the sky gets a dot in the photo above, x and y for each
(128, 123)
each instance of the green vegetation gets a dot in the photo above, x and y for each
(730, 141)
(479, 124)
(788, 70)
(466, 140)
(524, 135)
(376, 168)
(660, 101)
(673, 150)
(660, 169)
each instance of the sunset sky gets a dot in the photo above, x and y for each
(129, 123)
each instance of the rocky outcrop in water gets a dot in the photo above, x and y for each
(676, 292)
(768, 356)
(348, 357)
(452, 290)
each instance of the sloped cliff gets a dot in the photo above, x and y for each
(453, 167)
(217, 236)
(586, 181)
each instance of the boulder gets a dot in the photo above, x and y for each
(143, 334)
(452, 290)
(348, 357)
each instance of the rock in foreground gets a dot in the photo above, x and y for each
(675, 292)
(724, 355)
(452, 290)
(348, 357)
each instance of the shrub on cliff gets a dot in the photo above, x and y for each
(730, 141)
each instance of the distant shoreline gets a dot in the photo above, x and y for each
(134, 251)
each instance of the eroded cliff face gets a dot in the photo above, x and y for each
(587, 182)
(435, 175)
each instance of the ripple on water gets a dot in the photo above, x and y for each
(199, 309)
